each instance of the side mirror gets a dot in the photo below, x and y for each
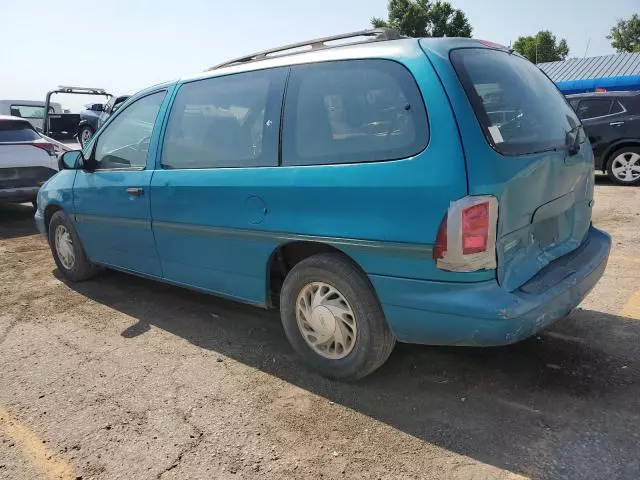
(97, 107)
(71, 160)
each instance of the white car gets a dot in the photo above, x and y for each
(27, 159)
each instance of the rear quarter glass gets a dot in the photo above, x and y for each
(352, 111)
(519, 109)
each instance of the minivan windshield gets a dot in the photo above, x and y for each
(520, 110)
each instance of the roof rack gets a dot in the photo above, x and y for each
(89, 90)
(377, 35)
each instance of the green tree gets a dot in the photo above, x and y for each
(625, 35)
(542, 47)
(422, 18)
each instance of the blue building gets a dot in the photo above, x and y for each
(607, 73)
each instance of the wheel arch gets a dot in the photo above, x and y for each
(286, 256)
(613, 148)
(86, 123)
(49, 211)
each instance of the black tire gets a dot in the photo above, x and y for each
(610, 164)
(81, 269)
(374, 341)
(81, 131)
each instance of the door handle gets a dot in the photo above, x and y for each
(135, 192)
(616, 124)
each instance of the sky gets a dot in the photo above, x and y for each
(126, 45)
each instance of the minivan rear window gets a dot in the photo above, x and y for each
(520, 110)
(352, 111)
(17, 131)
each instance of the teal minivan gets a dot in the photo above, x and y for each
(435, 191)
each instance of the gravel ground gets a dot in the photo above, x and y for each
(125, 378)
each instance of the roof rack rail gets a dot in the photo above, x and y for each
(376, 34)
(90, 90)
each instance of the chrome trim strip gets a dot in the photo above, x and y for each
(408, 249)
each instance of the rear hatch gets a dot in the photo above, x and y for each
(525, 146)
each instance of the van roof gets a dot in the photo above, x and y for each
(382, 43)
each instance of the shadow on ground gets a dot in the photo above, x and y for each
(16, 220)
(560, 405)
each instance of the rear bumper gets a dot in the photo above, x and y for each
(484, 314)
(18, 195)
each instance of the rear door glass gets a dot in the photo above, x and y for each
(520, 110)
(12, 131)
(226, 122)
(594, 107)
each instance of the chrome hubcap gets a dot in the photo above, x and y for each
(64, 247)
(326, 321)
(626, 166)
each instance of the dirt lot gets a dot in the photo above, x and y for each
(125, 378)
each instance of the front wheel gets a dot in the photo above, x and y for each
(67, 250)
(332, 318)
(84, 135)
(624, 166)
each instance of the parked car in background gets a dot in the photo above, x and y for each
(95, 115)
(317, 183)
(612, 122)
(31, 110)
(27, 159)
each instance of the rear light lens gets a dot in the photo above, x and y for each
(47, 147)
(466, 238)
(475, 228)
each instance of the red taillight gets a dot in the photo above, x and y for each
(475, 228)
(440, 248)
(47, 147)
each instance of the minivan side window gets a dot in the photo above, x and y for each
(352, 111)
(230, 121)
(125, 141)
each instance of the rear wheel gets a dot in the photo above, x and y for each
(333, 319)
(67, 250)
(624, 166)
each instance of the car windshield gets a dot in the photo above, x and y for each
(521, 111)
